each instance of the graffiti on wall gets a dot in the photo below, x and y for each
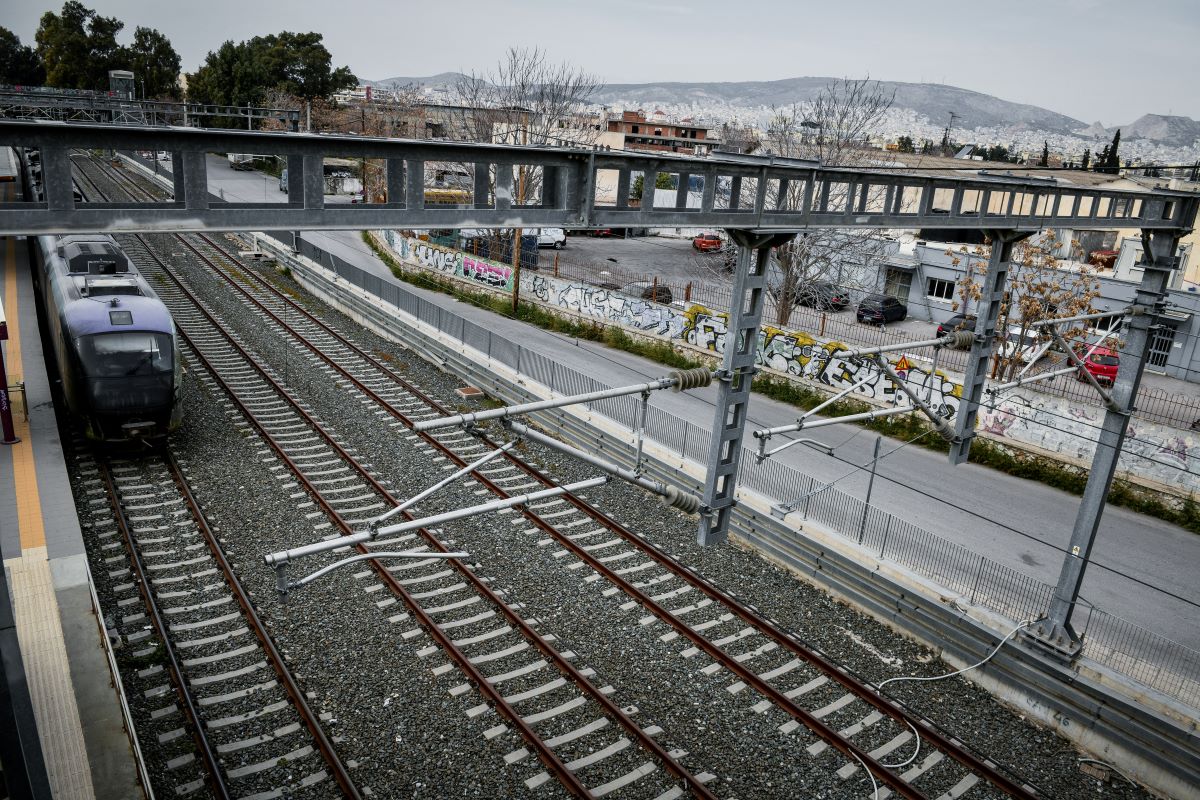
(1155, 452)
(791, 352)
(1058, 425)
(451, 262)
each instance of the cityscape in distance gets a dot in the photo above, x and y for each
(920, 110)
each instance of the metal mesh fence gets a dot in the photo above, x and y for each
(1147, 657)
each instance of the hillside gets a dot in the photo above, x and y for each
(933, 101)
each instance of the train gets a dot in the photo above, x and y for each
(113, 340)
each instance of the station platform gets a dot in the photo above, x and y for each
(58, 693)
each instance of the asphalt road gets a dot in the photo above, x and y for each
(1143, 570)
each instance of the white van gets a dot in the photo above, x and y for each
(1028, 348)
(549, 237)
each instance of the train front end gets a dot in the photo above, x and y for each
(128, 381)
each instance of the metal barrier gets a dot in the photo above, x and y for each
(1122, 646)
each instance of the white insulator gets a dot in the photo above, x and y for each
(686, 502)
(690, 378)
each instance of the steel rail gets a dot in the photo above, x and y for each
(287, 679)
(888, 706)
(208, 756)
(311, 720)
(747, 675)
(894, 709)
(548, 756)
(566, 776)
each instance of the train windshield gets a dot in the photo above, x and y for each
(116, 355)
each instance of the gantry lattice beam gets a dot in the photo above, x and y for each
(101, 108)
(576, 188)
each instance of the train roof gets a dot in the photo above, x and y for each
(104, 315)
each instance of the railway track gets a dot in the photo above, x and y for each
(768, 664)
(226, 713)
(552, 703)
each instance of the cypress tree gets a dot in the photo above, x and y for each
(1087, 159)
(1045, 161)
(1113, 162)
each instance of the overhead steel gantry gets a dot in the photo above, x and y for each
(760, 201)
(99, 107)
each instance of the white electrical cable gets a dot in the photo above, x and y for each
(874, 785)
(986, 659)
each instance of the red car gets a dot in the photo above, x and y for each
(707, 242)
(1102, 365)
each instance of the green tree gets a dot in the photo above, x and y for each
(905, 145)
(19, 64)
(927, 147)
(1112, 160)
(1087, 159)
(154, 63)
(1044, 161)
(241, 74)
(1101, 159)
(664, 180)
(998, 152)
(78, 47)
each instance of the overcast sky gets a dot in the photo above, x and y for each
(1108, 60)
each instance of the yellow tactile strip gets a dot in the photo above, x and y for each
(48, 674)
(34, 603)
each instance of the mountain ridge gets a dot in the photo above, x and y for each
(934, 101)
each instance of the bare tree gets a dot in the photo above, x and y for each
(834, 129)
(528, 100)
(738, 138)
(1047, 279)
(1042, 285)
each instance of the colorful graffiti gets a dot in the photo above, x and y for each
(1154, 452)
(448, 261)
(1057, 425)
(489, 273)
(791, 352)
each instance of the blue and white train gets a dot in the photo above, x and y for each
(114, 341)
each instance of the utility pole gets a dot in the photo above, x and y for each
(862, 530)
(946, 146)
(1158, 261)
(517, 232)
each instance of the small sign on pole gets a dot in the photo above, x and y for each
(10, 435)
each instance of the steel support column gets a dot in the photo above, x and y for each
(1158, 261)
(56, 174)
(737, 370)
(987, 310)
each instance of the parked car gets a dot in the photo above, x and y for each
(707, 242)
(881, 309)
(550, 237)
(959, 322)
(1027, 347)
(823, 296)
(1101, 364)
